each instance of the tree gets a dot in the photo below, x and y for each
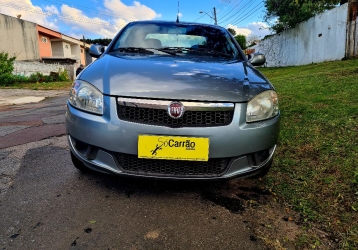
(101, 41)
(252, 40)
(232, 31)
(285, 14)
(241, 39)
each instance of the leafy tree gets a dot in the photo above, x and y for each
(285, 14)
(101, 41)
(241, 39)
(232, 31)
(252, 40)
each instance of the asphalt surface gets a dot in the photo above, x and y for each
(46, 203)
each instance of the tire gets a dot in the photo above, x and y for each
(78, 164)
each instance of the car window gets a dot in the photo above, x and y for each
(178, 40)
(158, 36)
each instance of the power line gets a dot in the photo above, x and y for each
(222, 5)
(240, 10)
(231, 10)
(253, 10)
(199, 18)
(207, 11)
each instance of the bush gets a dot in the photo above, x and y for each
(6, 63)
(7, 78)
(37, 77)
(63, 75)
(6, 68)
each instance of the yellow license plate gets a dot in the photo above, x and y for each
(173, 148)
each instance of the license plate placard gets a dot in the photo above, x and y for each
(173, 148)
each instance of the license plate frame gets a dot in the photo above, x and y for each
(166, 147)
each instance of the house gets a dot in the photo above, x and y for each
(39, 49)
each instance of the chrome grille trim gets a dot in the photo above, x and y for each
(189, 106)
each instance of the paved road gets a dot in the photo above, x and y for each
(46, 203)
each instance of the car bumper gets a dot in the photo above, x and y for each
(96, 140)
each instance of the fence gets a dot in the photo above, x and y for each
(26, 68)
(321, 38)
(352, 33)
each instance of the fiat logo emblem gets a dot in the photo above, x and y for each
(176, 110)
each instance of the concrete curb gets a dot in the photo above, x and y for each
(23, 96)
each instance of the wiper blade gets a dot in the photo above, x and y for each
(166, 50)
(133, 50)
(196, 50)
(210, 52)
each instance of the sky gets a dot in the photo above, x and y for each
(104, 18)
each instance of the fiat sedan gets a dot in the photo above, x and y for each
(173, 100)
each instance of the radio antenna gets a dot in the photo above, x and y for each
(178, 13)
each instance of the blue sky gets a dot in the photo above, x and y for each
(104, 18)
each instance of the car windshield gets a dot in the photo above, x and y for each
(175, 39)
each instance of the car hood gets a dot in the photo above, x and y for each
(175, 78)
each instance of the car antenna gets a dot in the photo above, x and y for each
(178, 13)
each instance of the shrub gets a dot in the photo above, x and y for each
(36, 77)
(6, 63)
(6, 68)
(63, 75)
(7, 78)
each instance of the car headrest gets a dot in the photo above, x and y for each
(152, 43)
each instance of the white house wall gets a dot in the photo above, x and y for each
(76, 52)
(19, 37)
(321, 38)
(67, 50)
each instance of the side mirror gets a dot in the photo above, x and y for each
(96, 50)
(257, 59)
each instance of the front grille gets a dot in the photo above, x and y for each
(160, 117)
(132, 164)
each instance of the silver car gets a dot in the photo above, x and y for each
(173, 100)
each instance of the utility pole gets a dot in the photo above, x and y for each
(215, 19)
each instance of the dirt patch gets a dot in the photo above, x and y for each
(272, 222)
(152, 235)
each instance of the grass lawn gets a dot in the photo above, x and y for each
(315, 169)
(40, 86)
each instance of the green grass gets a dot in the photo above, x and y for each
(316, 164)
(40, 86)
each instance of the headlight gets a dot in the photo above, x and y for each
(262, 107)
(86, 97)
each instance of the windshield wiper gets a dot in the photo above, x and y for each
(210, 52)
(142, 50)
(133, 50)
(166, 50)
(172, 51)
(196, 50)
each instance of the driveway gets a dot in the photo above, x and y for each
(46, 203)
